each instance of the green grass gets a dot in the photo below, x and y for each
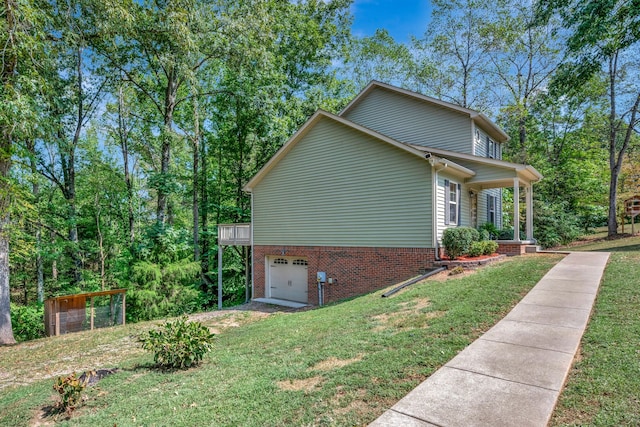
(342, 364)
(603, 388)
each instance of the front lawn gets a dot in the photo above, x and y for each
(342, 364)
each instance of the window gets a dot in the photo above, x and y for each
(451, 202)
(300, 262)
(493, 149)
(492, 201)
(280, 261)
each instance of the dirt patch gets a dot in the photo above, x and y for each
(410, 317)
(444, 275)
(357, 405)
(307, 384)
(333, 363)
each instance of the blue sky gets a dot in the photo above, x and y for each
(401, 18)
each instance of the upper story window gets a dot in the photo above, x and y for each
(493, 149)
(451, 202)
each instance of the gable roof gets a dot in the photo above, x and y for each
(480, 119)
(324, 115)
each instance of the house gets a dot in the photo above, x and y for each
(364, 196)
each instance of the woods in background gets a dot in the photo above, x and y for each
(128, 128)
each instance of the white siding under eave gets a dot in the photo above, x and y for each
(412, 121)
(340, 187)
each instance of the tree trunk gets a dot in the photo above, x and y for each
(612, 223)
(6, 330)
(38, 230)
(205, 208)
(169, 107)
(124, 147)
(9, 64)
(196, 178)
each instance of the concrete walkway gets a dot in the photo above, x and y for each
(513, 374)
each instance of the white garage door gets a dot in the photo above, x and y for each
(288, 278)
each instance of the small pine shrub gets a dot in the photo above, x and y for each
(457, 241)
(178, 345)
(70, 389)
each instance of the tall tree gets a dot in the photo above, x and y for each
(603, 38)
(452, 56)
(21, 41)
(522, 57)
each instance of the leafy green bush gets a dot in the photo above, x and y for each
(554, 224)
(27, 321)
(70, 389)
(489, 247)
(488, 229)
(178, 345)
(457, 241)
(507, 234)
(476, 249)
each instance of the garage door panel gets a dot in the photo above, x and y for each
(288, 278)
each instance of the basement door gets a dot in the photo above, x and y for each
(288, 278)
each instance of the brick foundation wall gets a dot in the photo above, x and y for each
(355, 271)
(512, 248)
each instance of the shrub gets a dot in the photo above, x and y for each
(70, 389)
(507, 234)
(489, 247)
(178, 345)
(456, 241)
(27, 321)
(476, 249)
(554, 224)
(488, 229)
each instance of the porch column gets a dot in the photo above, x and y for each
(516, 209)
(529, 190)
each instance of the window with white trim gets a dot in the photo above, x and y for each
(491, 148)
(451, 202)
(492, 202)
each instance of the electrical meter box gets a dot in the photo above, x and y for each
(322, 277)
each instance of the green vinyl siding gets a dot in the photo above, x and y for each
(413, 121)
(340, 187)
(465, 207)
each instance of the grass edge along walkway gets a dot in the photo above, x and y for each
(603, 388)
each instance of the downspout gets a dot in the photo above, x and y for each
(434, 202)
